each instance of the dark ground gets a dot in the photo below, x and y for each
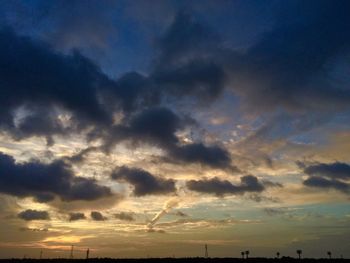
(171, 260)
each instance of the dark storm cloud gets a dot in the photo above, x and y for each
(76, 216)
(144, 183)
(249, 183)
(97, 216)
(333, 175)
(125, 216)
(30, 215)
(45, 181)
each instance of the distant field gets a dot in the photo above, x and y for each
(174, 260)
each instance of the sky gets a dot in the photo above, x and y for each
(150, 128)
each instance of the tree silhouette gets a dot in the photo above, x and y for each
(299, 252)
(242, 253)
(247, 253)
(278, 254)
(329, 254)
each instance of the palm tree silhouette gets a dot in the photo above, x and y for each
(242, 253)
(329, 254)
(278, 254)
(299, 252)
(247, 253)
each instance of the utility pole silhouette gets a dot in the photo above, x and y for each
(206, 251)
(87, 253)
(41, 254)
(71, 252)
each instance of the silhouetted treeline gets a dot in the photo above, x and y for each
(172, 260)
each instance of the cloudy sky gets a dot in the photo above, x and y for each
(149, 128)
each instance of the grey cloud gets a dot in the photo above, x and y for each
(81, 155)
(180, 214)
(327, 176)
(335, 170)
(201, 79)
(214, 156)
(321, 182)
(125, 216)
(45, 181)
(275, 211)
(29, 215)
(76, 216)
(184, 67)
(144, 183)
(249, 183)
(289, 66)
(158, 126)
(33, 229)
(97, 216)
(186, 38)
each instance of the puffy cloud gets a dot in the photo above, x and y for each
(30, 215)
(271, 211)
(335, 170)
(213, 156)
(97, 216)
(33, 74)
(144, 183)
(249, 183)
(158, 126)
(125, 216)
(328, 175)
(290, 65)
(76, 216)
(45, 181)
